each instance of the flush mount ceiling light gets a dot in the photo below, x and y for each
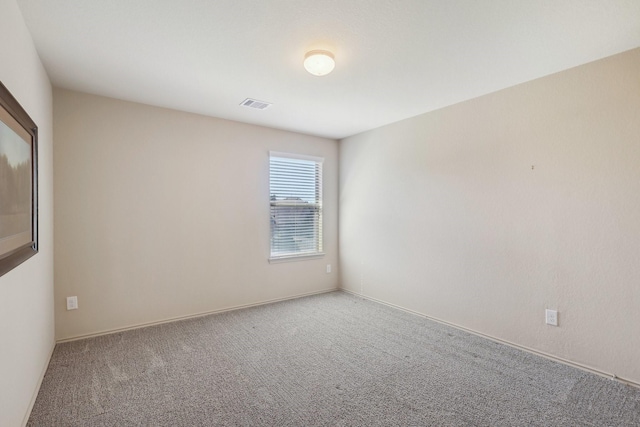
(319, 62)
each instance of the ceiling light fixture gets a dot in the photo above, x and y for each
(319, 62)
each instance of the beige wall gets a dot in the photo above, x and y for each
(161, 214)
(26, 292)
(485, 213)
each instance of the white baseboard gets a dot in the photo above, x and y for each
(37, 389)
(190, 316)
(510, 344)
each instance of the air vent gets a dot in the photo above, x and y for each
(254, 103)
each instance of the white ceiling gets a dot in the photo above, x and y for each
(394, 59)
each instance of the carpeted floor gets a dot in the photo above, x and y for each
(326, 360)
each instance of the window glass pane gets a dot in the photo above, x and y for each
(296, 206)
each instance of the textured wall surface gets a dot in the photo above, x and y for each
(161, 214)
(26, 292)
(485, 213)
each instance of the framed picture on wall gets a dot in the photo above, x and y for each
(18, 183)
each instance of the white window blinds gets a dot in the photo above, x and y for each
(295, 184)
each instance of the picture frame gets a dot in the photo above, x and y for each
(18, 183)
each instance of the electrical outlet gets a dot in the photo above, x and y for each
(328, 268)
(551, 317)
(72, 303)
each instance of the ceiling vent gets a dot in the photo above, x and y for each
(254, 103)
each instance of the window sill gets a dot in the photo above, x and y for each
(290, 258)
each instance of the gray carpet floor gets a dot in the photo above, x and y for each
(326, 360)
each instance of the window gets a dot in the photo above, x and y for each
(295, 187)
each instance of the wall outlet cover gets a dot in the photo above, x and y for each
(72, 303)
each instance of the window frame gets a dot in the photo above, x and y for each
(319, 229)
